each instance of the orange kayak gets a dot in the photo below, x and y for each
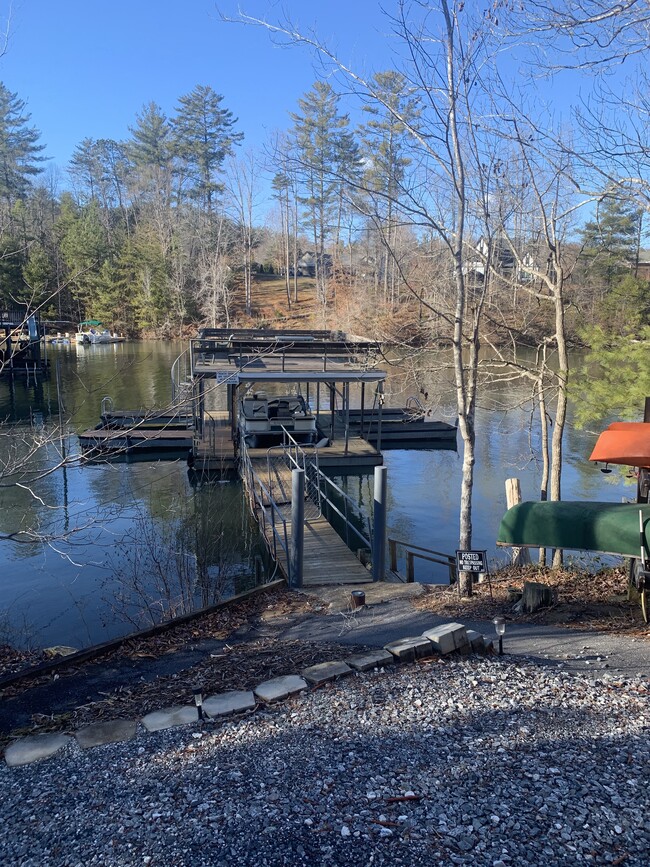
(624, 442)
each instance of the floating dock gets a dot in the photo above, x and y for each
(136, 439)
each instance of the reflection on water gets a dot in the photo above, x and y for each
(424, 486)
(113, 521)
(107, 525)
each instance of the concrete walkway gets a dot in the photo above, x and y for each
(390, 615)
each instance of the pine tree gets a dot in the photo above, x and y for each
(611, 241)
(386, 145)
(327, 156)
(204, 135)
(151, 151)
(19, 148)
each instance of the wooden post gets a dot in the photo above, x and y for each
(410, 568)
(379, 535)
(392, 553)
(520, 556)
(297, 527)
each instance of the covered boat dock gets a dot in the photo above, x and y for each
(323, 367)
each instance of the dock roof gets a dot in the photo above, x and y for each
(247, 355)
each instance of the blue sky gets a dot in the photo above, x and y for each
(86, 68)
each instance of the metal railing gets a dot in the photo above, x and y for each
(294, 456)
(271, 519)
(320, 490)
(107, 405)
(413, 551)
(180, 374)
(326, 488)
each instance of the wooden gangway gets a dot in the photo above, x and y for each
(327, 558)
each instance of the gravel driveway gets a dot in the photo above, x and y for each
(474, 762)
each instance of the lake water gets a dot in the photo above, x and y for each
(111, 527)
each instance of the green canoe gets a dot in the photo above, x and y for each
(612, 528)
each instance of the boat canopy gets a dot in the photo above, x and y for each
(610, 528)
(626, 443)
(93, 322)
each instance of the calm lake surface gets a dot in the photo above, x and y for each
(111, 526)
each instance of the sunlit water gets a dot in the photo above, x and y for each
(107, 523)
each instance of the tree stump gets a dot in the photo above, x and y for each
(536, 595)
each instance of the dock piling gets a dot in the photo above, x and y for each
(297, 526)
(379, 520)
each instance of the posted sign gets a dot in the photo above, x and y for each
(471, 561)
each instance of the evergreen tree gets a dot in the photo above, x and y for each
(151, 151)
(611, 241)
(386, 145)
(142, 277)
(204, 135)
(19, 148)
(614, 378)
(82, 241)
(327, 155)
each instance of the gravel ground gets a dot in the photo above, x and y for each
(471, 762)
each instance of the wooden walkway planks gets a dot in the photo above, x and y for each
(277, 478)
(327, 559)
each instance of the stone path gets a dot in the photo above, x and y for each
(398, 632)
(389, 615)
(450, 638)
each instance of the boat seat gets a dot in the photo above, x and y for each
(255, 409)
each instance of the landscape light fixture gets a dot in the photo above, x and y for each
(198, 701)
(500, 626)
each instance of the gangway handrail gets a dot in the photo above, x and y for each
(295, 462)
(367, 540)
(428, 554)
(314, 476)
(253, 481)
(176, 374)
(418, 403)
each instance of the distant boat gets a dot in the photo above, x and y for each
(89, 333)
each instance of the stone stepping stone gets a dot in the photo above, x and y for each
(169, 717)
(448, 638)
(107, 732)
(410, 649)
(35, 747)
(325, 671)
(226, 703)
(370, 660)
(280, 687)
(476, 641)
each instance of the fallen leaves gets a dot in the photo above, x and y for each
(585, 600)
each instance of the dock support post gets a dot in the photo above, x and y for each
(297, 526)
(379, 516)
